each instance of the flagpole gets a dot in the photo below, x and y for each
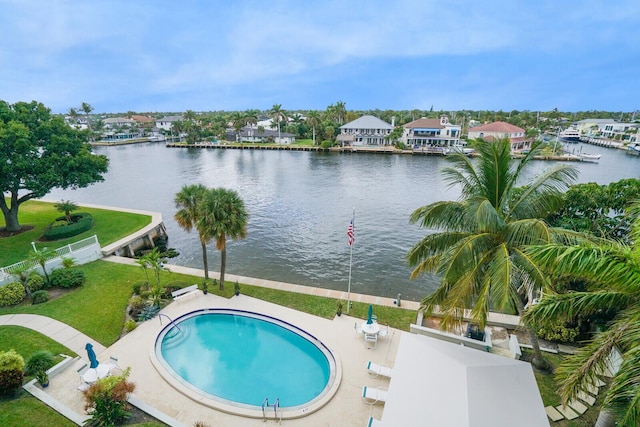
(353, 218)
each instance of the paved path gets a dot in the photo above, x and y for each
(66, 335)
(310, 290)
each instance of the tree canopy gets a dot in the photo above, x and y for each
(39, 152)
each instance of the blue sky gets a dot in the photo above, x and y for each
(235, 55)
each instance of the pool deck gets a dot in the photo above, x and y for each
(152, 392)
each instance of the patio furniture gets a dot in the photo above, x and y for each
(370, 338)
(82, 384)
(357, 328)
(383, 331)
(92, 375)
(371, 328)
(372, 395)
(113, 364)
(189, 290)
(376, 370)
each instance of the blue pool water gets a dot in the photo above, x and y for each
(243, 358)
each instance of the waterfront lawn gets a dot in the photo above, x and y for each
(110, 226)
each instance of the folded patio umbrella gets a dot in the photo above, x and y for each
(369, 320)
(93, 360)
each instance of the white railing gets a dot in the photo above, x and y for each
(82, 251)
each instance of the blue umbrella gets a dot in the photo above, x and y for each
(369, 320)
(92, 356)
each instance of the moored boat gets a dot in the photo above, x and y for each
(633, 149)
(569, 135)
(588, 157)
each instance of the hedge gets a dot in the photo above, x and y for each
(67, 277)
(56, 231)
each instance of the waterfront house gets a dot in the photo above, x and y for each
(366, 130)
(608, 129)
(166, 122)
(431, 133)
(501, 130)
(255, 135)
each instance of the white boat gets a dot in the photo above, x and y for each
(588, 157)
(459, 148)
(633, 149)
(569, 135)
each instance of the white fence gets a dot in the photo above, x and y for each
(81, 252)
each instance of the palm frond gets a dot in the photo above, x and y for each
(445, 215)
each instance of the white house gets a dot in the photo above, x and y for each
(252, 134)
(366, 130)
(431, 132)
(501, 130)
(166, 122)
(608, 128)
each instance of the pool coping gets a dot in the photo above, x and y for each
(335, 376)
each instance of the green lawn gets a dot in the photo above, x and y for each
(26, 341)
(109, 226)
(27, 411)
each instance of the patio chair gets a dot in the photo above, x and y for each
(374, 423)
(357, 328)
(370, 338)
(376, 370)
(383, 331)
(371, 395)
(82, 384)
(113, 364)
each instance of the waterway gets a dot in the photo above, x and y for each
(300, 205)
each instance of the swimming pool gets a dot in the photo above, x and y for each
(233, 360)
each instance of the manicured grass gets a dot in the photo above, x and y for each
(27, 341)
(109, 226)
(27, 411)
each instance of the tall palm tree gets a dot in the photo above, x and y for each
(188, 202)
(341, 111)
(87, 109)
(477, 250)
(278, 115)
(239, 121)
(313, 120)
(224, 216)
(612, 272)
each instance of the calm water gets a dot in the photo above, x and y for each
(300, 205)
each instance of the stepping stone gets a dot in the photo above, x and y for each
(577, 406)
(567, 412)
(593, 389)
(553, 413)
(585, 397)
(598, 382)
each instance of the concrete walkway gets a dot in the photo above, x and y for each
(66, 335)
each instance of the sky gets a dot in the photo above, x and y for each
(171, 56)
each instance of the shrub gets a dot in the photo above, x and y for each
(139, 286)
(35, 282)
(130, 325)
(559, 333)
(11, 376)
(61, 229)
(67, 277)
(148, 312)
(38, 297)
(171, 287)
(11, 361)
(106, 400)
(39, 362)
(12, 294)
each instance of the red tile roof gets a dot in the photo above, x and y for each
(502, 127)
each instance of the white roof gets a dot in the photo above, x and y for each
(437, 383)
(367, 122)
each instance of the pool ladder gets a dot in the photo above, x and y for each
(275, 406)
(170, 321)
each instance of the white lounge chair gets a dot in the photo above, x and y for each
(113, 364)
(357, 328)
(374, 423)
(383, 331)
(373, 395)
(375, 370)
(82, 384)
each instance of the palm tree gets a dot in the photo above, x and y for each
(66, 208)
(239, 121)
(87, 109)
(341, 111)
(278, 115)
(178, 126)
(313, 120)
(188, 201)
(612, 272)
(251, 117)
(478, 248)
(224, 216)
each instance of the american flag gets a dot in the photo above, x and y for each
(350, 234)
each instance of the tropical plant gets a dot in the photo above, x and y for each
(106, 400)
(612, 272)
(188, 202)
(12, 293)
(314, 120)
(67, 277)
(223, 216)
(87, 109)
(11, 375)
(38, 364)
(153, 261)
(66, 207)
(278, 115)
(477, 250)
